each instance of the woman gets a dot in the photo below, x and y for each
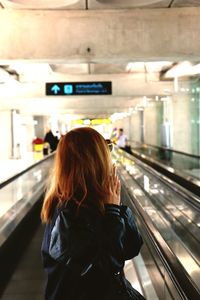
(88, 234)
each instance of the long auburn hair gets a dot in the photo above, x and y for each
(81, 172)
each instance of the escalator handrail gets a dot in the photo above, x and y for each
(165, 148)
(186, 288)
(14, 177)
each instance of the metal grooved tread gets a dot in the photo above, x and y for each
(28, 279)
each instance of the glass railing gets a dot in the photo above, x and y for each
(19, 194)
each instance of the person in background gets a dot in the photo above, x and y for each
(58, 135)
(51, 139)
(121, 139)
(88, 234)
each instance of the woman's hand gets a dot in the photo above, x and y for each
(114, 188)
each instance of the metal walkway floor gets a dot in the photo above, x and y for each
(27, 281)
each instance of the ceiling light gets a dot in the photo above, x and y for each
(149, 67)
(86, 122)
(135, 66)
(183, 69)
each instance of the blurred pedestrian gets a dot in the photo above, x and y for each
(121, 139)
(51, 139)
(88, 234)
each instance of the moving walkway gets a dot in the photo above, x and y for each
(183, 168)
(168, 266)
(21, 198)
(168, 216)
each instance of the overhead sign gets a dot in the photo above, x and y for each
(78, 88)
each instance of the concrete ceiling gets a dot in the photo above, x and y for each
(21, 82)
(96, 4)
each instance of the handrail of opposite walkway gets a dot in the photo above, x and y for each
(164, 148)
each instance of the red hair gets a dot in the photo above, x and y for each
(81, 171)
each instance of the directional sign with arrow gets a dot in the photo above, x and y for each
(78, 88)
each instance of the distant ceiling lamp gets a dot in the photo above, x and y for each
(37, 4)
(135, 67)
(130, 2)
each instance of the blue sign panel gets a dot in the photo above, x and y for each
(78, 88)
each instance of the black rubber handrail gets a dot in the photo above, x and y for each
(14, 177)
(165, 148)
(181, 279)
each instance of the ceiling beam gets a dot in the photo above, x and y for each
(124, 86)
(100, 36)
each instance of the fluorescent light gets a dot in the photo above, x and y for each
(183, 69)
(86, 122)
(32, 71)
(196, 69)
(150, 67)
(135, 66)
